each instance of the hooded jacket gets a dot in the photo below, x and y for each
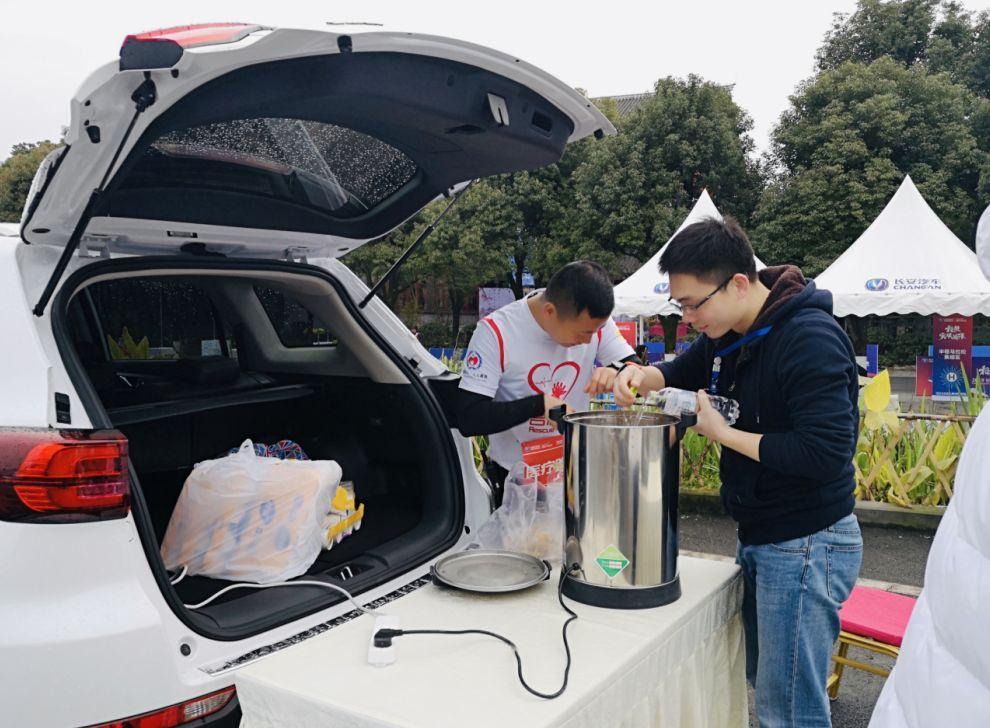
(798, 387)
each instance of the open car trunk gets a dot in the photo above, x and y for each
(265, 351)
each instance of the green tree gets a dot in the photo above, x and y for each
(535, 209)
(634, 189)
(503, 226)
(979, 56)
(371, 261)
(845, 144)
(942, 36)
(16, 174)
(470, 248)
(900, 29)
(530, 211)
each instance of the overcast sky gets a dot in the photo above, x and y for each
(763, 47)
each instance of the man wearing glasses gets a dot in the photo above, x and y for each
(769, 341)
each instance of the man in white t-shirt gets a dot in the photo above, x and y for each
(535, 354)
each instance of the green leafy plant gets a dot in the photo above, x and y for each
(434, 333)
(699, 462)
(127, 348)
(905, 459)
(453, 364)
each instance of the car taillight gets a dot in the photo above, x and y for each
(58, 476)
(178, 714)
(190, 36)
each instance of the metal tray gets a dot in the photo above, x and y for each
(490, 571)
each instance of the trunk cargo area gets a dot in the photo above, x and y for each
(386, 437)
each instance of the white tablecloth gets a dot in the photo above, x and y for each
(681, 665)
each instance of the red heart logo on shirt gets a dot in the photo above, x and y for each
(557, 382)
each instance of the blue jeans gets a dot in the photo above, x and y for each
(793, 591)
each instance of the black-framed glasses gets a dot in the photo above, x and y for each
(692, 307)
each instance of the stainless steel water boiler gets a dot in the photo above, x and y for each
(622, 473)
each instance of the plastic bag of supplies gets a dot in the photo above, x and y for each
(245, 517)
(531, 517)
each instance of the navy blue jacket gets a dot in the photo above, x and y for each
(798, 386)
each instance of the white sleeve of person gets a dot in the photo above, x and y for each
(612, 346)
(483, 362)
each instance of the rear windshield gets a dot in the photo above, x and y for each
(340, 171)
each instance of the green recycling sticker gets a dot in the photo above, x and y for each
(612, 562)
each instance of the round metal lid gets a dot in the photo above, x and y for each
(484, 570)
(621, 418)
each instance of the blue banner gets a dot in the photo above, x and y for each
(872, 359)
(953, 354)
(448, 353)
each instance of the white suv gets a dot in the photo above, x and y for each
(209, 182)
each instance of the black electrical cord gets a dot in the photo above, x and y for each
(383, 638)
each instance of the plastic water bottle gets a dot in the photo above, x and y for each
(673, 401)
(605, 401)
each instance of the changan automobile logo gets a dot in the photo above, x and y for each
(661, 287)
(877, 284)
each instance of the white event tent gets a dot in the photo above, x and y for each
(907, 261)
(646, 291)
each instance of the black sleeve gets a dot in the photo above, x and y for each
(689, 370)
(481, 415)
(817, 378)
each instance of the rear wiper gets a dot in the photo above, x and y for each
(416, 243)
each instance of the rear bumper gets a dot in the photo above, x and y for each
(85, 637)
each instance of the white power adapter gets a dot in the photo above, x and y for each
(385, 655)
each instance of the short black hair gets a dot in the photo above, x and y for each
(581, 286)
(711, 250)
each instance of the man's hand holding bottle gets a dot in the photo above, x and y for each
(636, 380)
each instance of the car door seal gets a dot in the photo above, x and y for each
(144, 96)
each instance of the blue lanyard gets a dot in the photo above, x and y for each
(717, 363)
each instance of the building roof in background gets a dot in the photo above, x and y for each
(628, 103)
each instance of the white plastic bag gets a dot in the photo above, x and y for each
(249, 518)
(530, 519)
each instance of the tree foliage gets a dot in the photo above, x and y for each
(941, 36)
(16, 174)
(634, 189)
(470, 248)
(533, 207)
(845, 144)
(467, 249)
(372, 260)
(899, 29)
(503, 226)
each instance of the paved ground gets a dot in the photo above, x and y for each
(895, 558)
(903, 385)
